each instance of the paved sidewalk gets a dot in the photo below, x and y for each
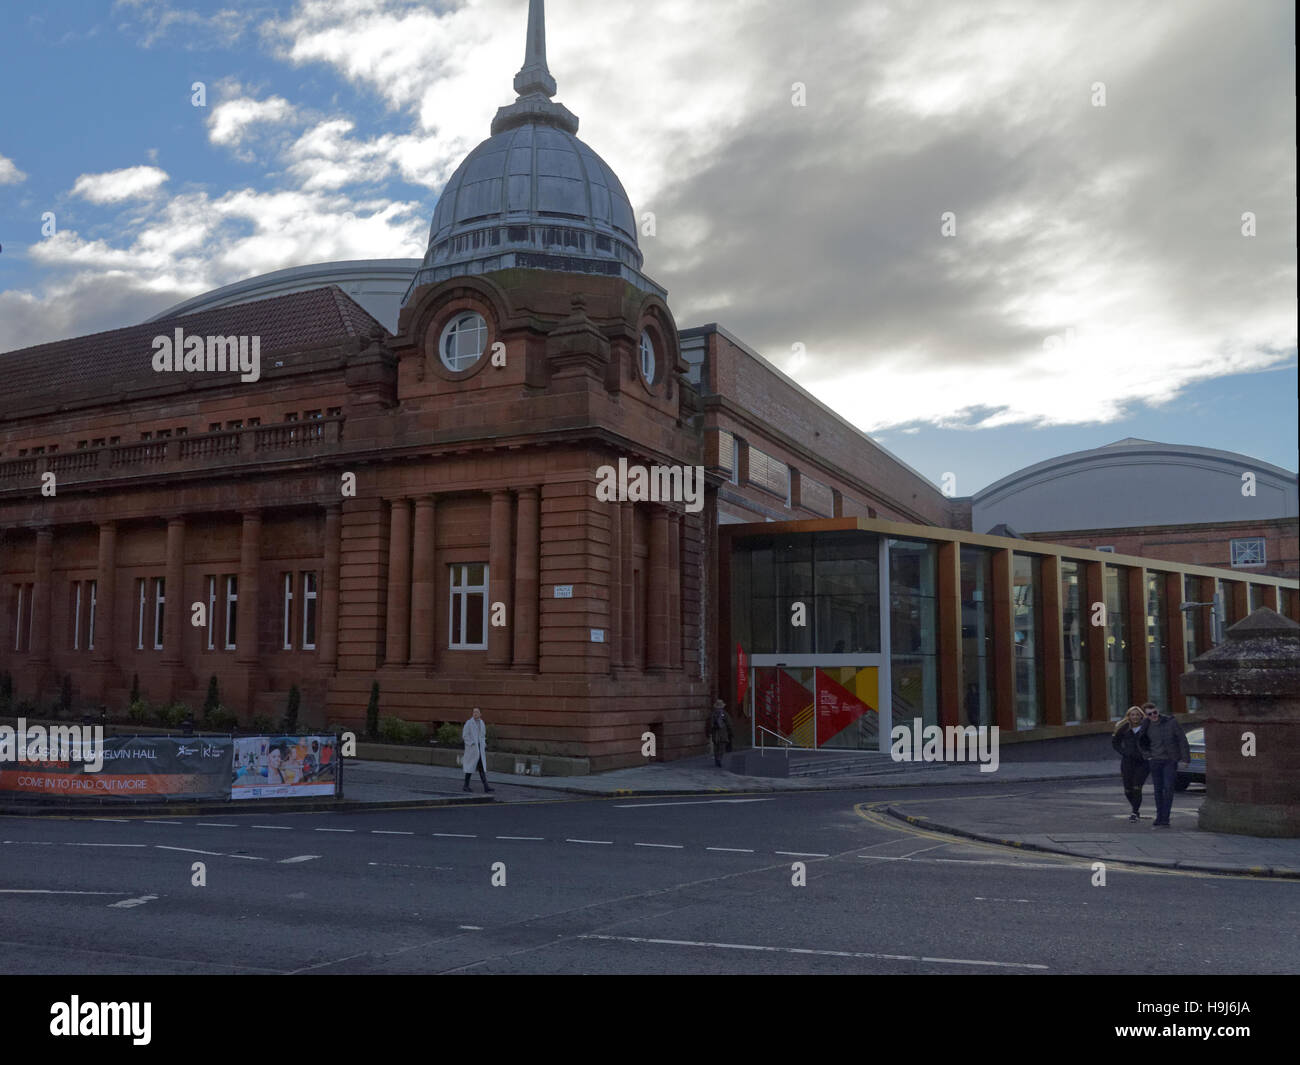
(367, 781)
(1091, 821)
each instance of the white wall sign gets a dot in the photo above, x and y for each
(564, 591)
(597, 635)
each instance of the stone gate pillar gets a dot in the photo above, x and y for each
(1250, 683)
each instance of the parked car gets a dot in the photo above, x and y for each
(1195, 770)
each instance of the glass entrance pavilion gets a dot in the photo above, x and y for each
(832, 630)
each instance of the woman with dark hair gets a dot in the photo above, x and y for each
(1132, 764)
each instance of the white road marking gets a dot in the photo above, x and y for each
(246, 857)
(115, 820)
(731, 850)
(299, 858)
(49, 891)
(388, 832)
(213, 824)
(599, 842)
(106, 844)
(126, 904)
(666, 846)
(823, 953)
(148, 822)
(456, 835)
(970, 861)
(692, 802)
(273, 828)
(190, 850)
(522, 837)
(336, 830)
(922, 850)
(472, 927)
(979, 898)
(800, 854)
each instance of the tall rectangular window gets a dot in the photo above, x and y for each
(76, 615)
(727, 454)
(90, 621)
(1157, 685)
(309, 611)
(1075, 626)
(287, 625)
(1118, 675)
(159, 604)
(1027, 590)
(141, 596)
(467, 626)
(913, 621)
(977, 636)
(232, 609)
(212, 611)
(23, 617)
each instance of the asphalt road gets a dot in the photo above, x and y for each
(649, 885)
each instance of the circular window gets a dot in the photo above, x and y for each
(463, 341)
(647, 357)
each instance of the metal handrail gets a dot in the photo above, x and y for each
(785, 740)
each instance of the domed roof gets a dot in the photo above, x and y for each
(533, 195)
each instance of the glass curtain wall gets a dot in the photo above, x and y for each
(1157, 670)
(913, 622)
(1075, 624)
(1027, 592)
(977, 636)
(832, 578)
(1118, 677)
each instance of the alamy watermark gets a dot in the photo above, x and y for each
(196, 354)
(58, 743)
(919, 742)
(656, 484)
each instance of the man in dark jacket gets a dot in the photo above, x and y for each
(1164, 746)
(718, 730)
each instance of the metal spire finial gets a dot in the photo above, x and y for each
(533, 76)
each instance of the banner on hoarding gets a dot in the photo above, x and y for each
(274, 767)
(134, 767)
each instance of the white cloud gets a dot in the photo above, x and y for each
(230, 119)
(114, 186)
(9, 173)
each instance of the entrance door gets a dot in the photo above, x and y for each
(817, 706)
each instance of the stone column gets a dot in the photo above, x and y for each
(616, 550)
(174, 589)
(627, 570)
(397, 644)
(657, 608)
(40, 646)
(105, 592)
(422, 584)
(247, 619)
(328, 645)
(674, 590)
(528, 578)
(499, 579)
(1249, 690)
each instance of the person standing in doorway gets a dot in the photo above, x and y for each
(1165, 748)
(718, 731)
(475, 736)
(1133, 770)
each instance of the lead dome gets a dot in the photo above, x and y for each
(533, 195)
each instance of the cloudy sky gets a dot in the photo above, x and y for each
(1098, 284)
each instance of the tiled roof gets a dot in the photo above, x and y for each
(104, 367)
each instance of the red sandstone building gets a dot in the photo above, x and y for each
(421, 509)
